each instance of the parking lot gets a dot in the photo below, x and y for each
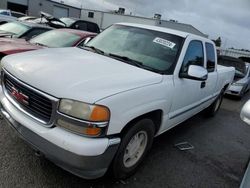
(219, 158)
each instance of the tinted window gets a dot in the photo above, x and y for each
(194, 55)
(33, 33)
(210, 57)
(81, 26)
(93, 28)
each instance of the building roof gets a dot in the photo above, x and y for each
(161, 23)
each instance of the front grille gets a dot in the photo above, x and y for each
(35, 104)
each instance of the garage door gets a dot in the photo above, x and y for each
(20, 2)
(60, 12)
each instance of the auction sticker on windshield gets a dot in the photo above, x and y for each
(164, 42)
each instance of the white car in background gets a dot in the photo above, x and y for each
(5, 16)
(241, 83)
(241, 86)
(9, 16)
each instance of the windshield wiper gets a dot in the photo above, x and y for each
(93, 49)
(133, 62)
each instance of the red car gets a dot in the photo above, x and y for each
(52, 39)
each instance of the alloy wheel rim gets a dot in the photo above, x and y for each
(135, 149)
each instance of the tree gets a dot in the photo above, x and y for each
(217, 42)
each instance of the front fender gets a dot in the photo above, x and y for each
(129, 105)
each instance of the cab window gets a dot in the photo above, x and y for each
(194, 55)
(210, 57)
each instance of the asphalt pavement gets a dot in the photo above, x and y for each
(219, 158)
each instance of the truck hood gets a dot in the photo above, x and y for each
(12, 45)
(78, 74)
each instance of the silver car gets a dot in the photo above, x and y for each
(241, 83)
(245, 113)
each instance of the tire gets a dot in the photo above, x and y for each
(215, 106)
(123, 164)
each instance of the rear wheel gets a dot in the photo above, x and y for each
(135, 144)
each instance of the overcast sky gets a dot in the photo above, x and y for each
(229, 19)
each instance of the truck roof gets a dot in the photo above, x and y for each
(162, 29)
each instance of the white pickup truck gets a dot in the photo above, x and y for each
(98, 107)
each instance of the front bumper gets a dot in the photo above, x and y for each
(235, 90)
(85, 157)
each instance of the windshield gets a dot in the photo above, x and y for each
(56, 39)
(17, 29)
(67, 21)
(151, 49)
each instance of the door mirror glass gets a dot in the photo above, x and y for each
(195, 73)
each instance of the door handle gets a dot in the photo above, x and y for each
(203, 84)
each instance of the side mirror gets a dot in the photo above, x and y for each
(195, 73)
(87, 40)
(245, 113)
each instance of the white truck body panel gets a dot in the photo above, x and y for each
(128, 91)
(75, 81)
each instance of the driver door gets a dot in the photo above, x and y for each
(188, 92)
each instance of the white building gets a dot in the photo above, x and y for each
(33, 7)
(105, 19)
(234, 53)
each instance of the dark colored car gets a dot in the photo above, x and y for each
(72, 23)
(23, 30)
(52, 39)
(75, 23)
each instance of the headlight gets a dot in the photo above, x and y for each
(90, 120)
(84, 111)
(238, 84)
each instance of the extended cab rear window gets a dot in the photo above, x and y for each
(210, 51)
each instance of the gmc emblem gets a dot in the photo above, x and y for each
(19, 96)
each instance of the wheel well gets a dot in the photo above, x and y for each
(155, 116)
(225, 87)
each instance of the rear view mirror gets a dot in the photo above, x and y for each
(245, 113)
(195, 73)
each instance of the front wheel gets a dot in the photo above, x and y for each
(135, 144)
